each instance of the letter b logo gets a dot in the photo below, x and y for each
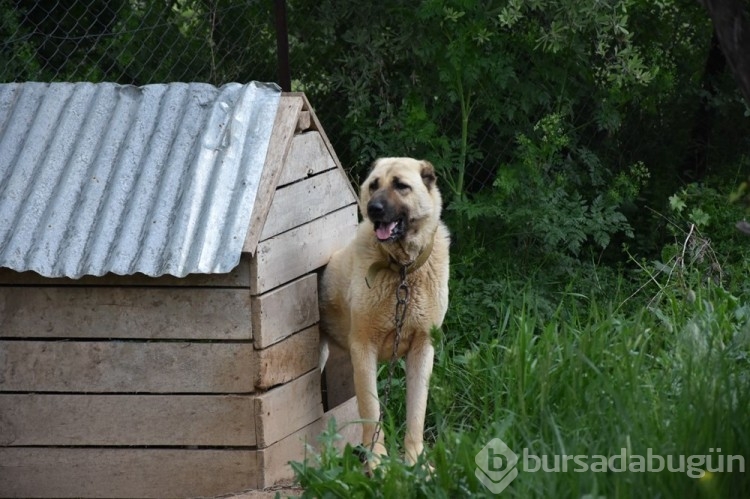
(496, 465)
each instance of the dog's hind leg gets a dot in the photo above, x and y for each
(419, 362)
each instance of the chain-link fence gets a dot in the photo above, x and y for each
(384, 79)
(137, 42)
(143, 42)
(216, 41)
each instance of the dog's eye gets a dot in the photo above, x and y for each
(401, 186)
(374, 185)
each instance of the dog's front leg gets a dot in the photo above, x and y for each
(365, 369)
(419, 362)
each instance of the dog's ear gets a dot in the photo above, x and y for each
(428, 174)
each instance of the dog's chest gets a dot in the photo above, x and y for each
(384, 311)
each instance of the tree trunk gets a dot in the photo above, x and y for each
(695, 163)
(731, 20)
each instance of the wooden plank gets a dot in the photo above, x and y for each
(111, 312)
(274, 460)
(239, 277)
(304, 121)
(288, 359)
(126, 420)
(127, 367)
(87, 472)
(316, 125)
(284, 125)
(282, 258)
(285, 310)
(285, 409)
(308, 156)
(310, 199)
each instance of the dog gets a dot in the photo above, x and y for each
(401, 230)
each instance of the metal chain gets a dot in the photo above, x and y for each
(402, 300)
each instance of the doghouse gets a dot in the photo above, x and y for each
(159, 249)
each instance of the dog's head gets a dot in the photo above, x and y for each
(401, 199)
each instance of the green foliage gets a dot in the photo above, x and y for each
(332, 473)
(18, 62)
(556, 202)
(552, 124)
(137, 42)
(587, 379)
(704, 243)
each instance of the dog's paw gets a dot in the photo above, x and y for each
(372, 458)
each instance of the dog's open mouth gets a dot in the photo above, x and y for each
(389, 231)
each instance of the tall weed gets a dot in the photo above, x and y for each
(584, 380)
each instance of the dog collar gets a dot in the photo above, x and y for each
(390, 264)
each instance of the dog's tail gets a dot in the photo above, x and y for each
(324, 352)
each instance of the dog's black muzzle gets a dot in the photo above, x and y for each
(388, 222)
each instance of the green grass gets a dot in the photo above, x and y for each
(576, 377)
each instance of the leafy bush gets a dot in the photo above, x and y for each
(589, 381)
(555, 202)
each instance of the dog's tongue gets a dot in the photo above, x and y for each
(383, 231)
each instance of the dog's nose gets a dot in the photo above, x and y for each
(375, 209)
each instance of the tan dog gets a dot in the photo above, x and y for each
(401, 206)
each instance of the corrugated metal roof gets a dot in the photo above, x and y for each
(159, 179)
